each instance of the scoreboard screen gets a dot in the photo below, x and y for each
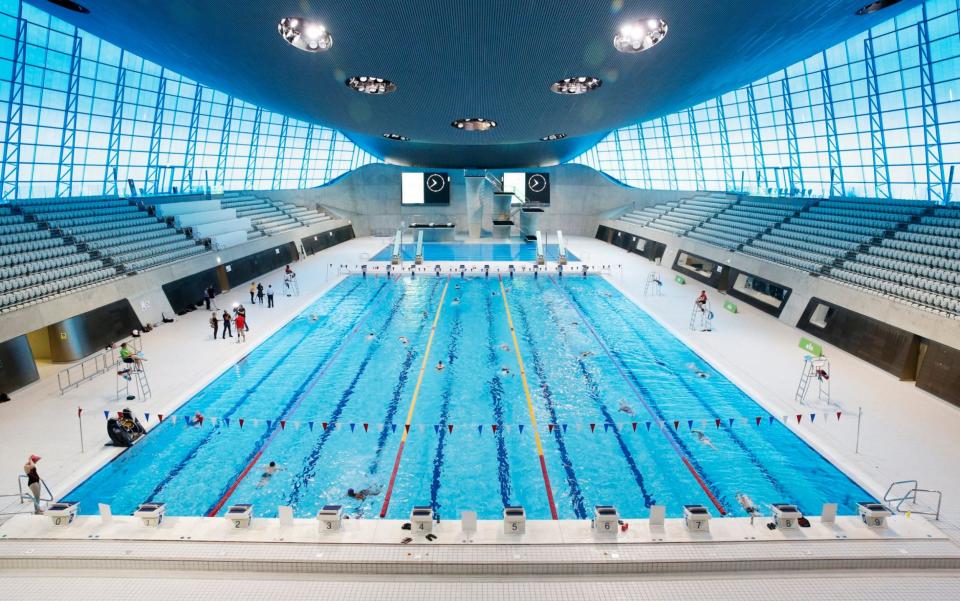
(431, 188)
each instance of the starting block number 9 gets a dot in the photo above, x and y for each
(877, 521)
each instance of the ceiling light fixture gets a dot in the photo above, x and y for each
(396, 137)
(70, 5)
(875, 6)
(553, 137)
(371, 85)
(640, 35)
(575, 85)
(306, 35)
(474, 124)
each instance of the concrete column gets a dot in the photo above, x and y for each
(474, 205)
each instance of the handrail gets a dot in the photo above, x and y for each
(92, 366)
(28, 496)
(911, 495)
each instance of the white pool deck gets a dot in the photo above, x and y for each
(905, 434)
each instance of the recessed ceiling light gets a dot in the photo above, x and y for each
(308, 36)
(70, 5)
(474, 124)
(553, 137)
(875, 6)
(371, 85)
(396, 137)
(640, 35)
(575, 85)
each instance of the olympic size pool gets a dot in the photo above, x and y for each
(458, 251)
(607, 408)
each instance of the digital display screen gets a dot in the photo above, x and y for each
(533, 188)
(432, 188)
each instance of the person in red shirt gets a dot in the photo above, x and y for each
(241, 321)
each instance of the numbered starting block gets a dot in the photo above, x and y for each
(873, 515)
(696, 518)
(606, 519)
(486, 271)
(62, 514)
(437, 270)
(785, 516)
(585, 269)
(511, 269)
(463, 271)
(240, 515)
(151, 513)
(330, 518)
(514, 520)
(363, 269)
(559, 271)
(421, 519)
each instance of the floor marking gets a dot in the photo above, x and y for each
(413, 401)
(526, 392)
(673, 443)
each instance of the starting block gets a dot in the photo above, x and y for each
(330, 518)
(151, 513)
(240, 515)
(786, 515)
(606, 519)
(63, 513)
(696, 518)
(873, 515)
(421, 519)
(514, 520)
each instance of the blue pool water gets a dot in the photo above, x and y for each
(343, 381)
(440, 251)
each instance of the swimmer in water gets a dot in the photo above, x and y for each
(456, 301)
(504, 371)
(625, 408)
(268, 473)
(696, 370)
(403, 340)
(370, 336)
(363, 493)
(425, 314)
(314, 317)
(574, 323)
(586, 354)
(440, 365)
(504, 347)
(704, 439)
(747, 503)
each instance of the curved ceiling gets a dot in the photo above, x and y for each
(474, 58)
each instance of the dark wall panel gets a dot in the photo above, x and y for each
(251, 266)
(889, 348)
(940, 372)
(651, 249)
(17, 367)
(81, 335)
(719, 274)
(761, 284)
(187, 292)
(324, 240)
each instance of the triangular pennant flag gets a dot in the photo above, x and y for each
(838, 415)
(310, 425)
(799, 417)
(199, 419)
(226, 421)
(745, 421)
(606, 427)
(784, 418)
(269, 423)
(406, 428)
(240, 421)
(520, 428)
(480, 429)
(213, 421)
(689, 424)
(634, 424)
(564, 426)
(106, 414)
(365, 426)
(146, 416)
(160, 417)
(353, 427)
(173, 419)
(494, 428)
(648, 426)
(825, 414)
(550, 428)
(393, 427)
(296, 425)
(676, 424)
(813, 416)
(256, 422)
(717, 422)
(436, 428)
(421, 427)
(592, 427)
(324, 425)
(450, 428)
(770, 419)
(283, 424)
(731, 420)
(758, 420)
(119, 414)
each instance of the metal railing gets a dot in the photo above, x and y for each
(94, 365)
(910, 495)
(25, 496)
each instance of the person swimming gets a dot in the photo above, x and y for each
(363, 493)
(586, 354)
(440, 365)
(704, 439)
(456, 300)
(504, 347)
(696, 370)
(370, 336)
(403, 340)
(314, 317)
(747, 503)
(625, 408)
(504, 371)
(268, 473)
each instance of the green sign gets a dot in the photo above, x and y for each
(730, 306)
(811, 347)
(680, 279)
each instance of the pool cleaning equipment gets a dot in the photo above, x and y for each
(561, 249)
(786, 516)
(395, 257)
(606, 519)
(418, 258)
(240, 515)
(62, 513)
(874, 515)
(514, 520)
(330, 518)
(125, 429)
(421, 519)
(151, 513)
(696, 518)
(814, 368)
(541, 253)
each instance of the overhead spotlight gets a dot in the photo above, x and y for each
(396, 137)
(553, 137)
(575, 85)
(474, 124)
(639, 35)
(875, 6)
(70, 5)
(371, 85)
(306, 35)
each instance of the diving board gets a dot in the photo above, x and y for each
(418, 259)
(540, 249)
(561, 249)
(396, 258)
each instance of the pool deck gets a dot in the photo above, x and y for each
(906, 433)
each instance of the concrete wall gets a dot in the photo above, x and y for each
(370, 197)
(901, 315)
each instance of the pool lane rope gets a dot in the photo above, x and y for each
(683, 457)
(413, 401)
(526, 393)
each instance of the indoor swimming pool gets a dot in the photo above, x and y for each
(556, 395)
(458, 251)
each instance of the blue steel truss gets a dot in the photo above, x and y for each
(794, 171)
(933, 151)
(281, 152)
(110, 174)
(668, 149)
(878, 143)
(755, 138)
(644, 160)
(833, 145)
(695, 148)
(305, 162)
(622, 169)
(328, 168)
(10, 170)
(725, 155)
(153, 158)
(190, 152)
(221, 174)
(68, 135)
(254, 146)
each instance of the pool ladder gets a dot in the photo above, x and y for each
(909, 495)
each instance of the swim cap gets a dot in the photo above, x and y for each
(350, 492)
(273, 464)
(34, 458)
